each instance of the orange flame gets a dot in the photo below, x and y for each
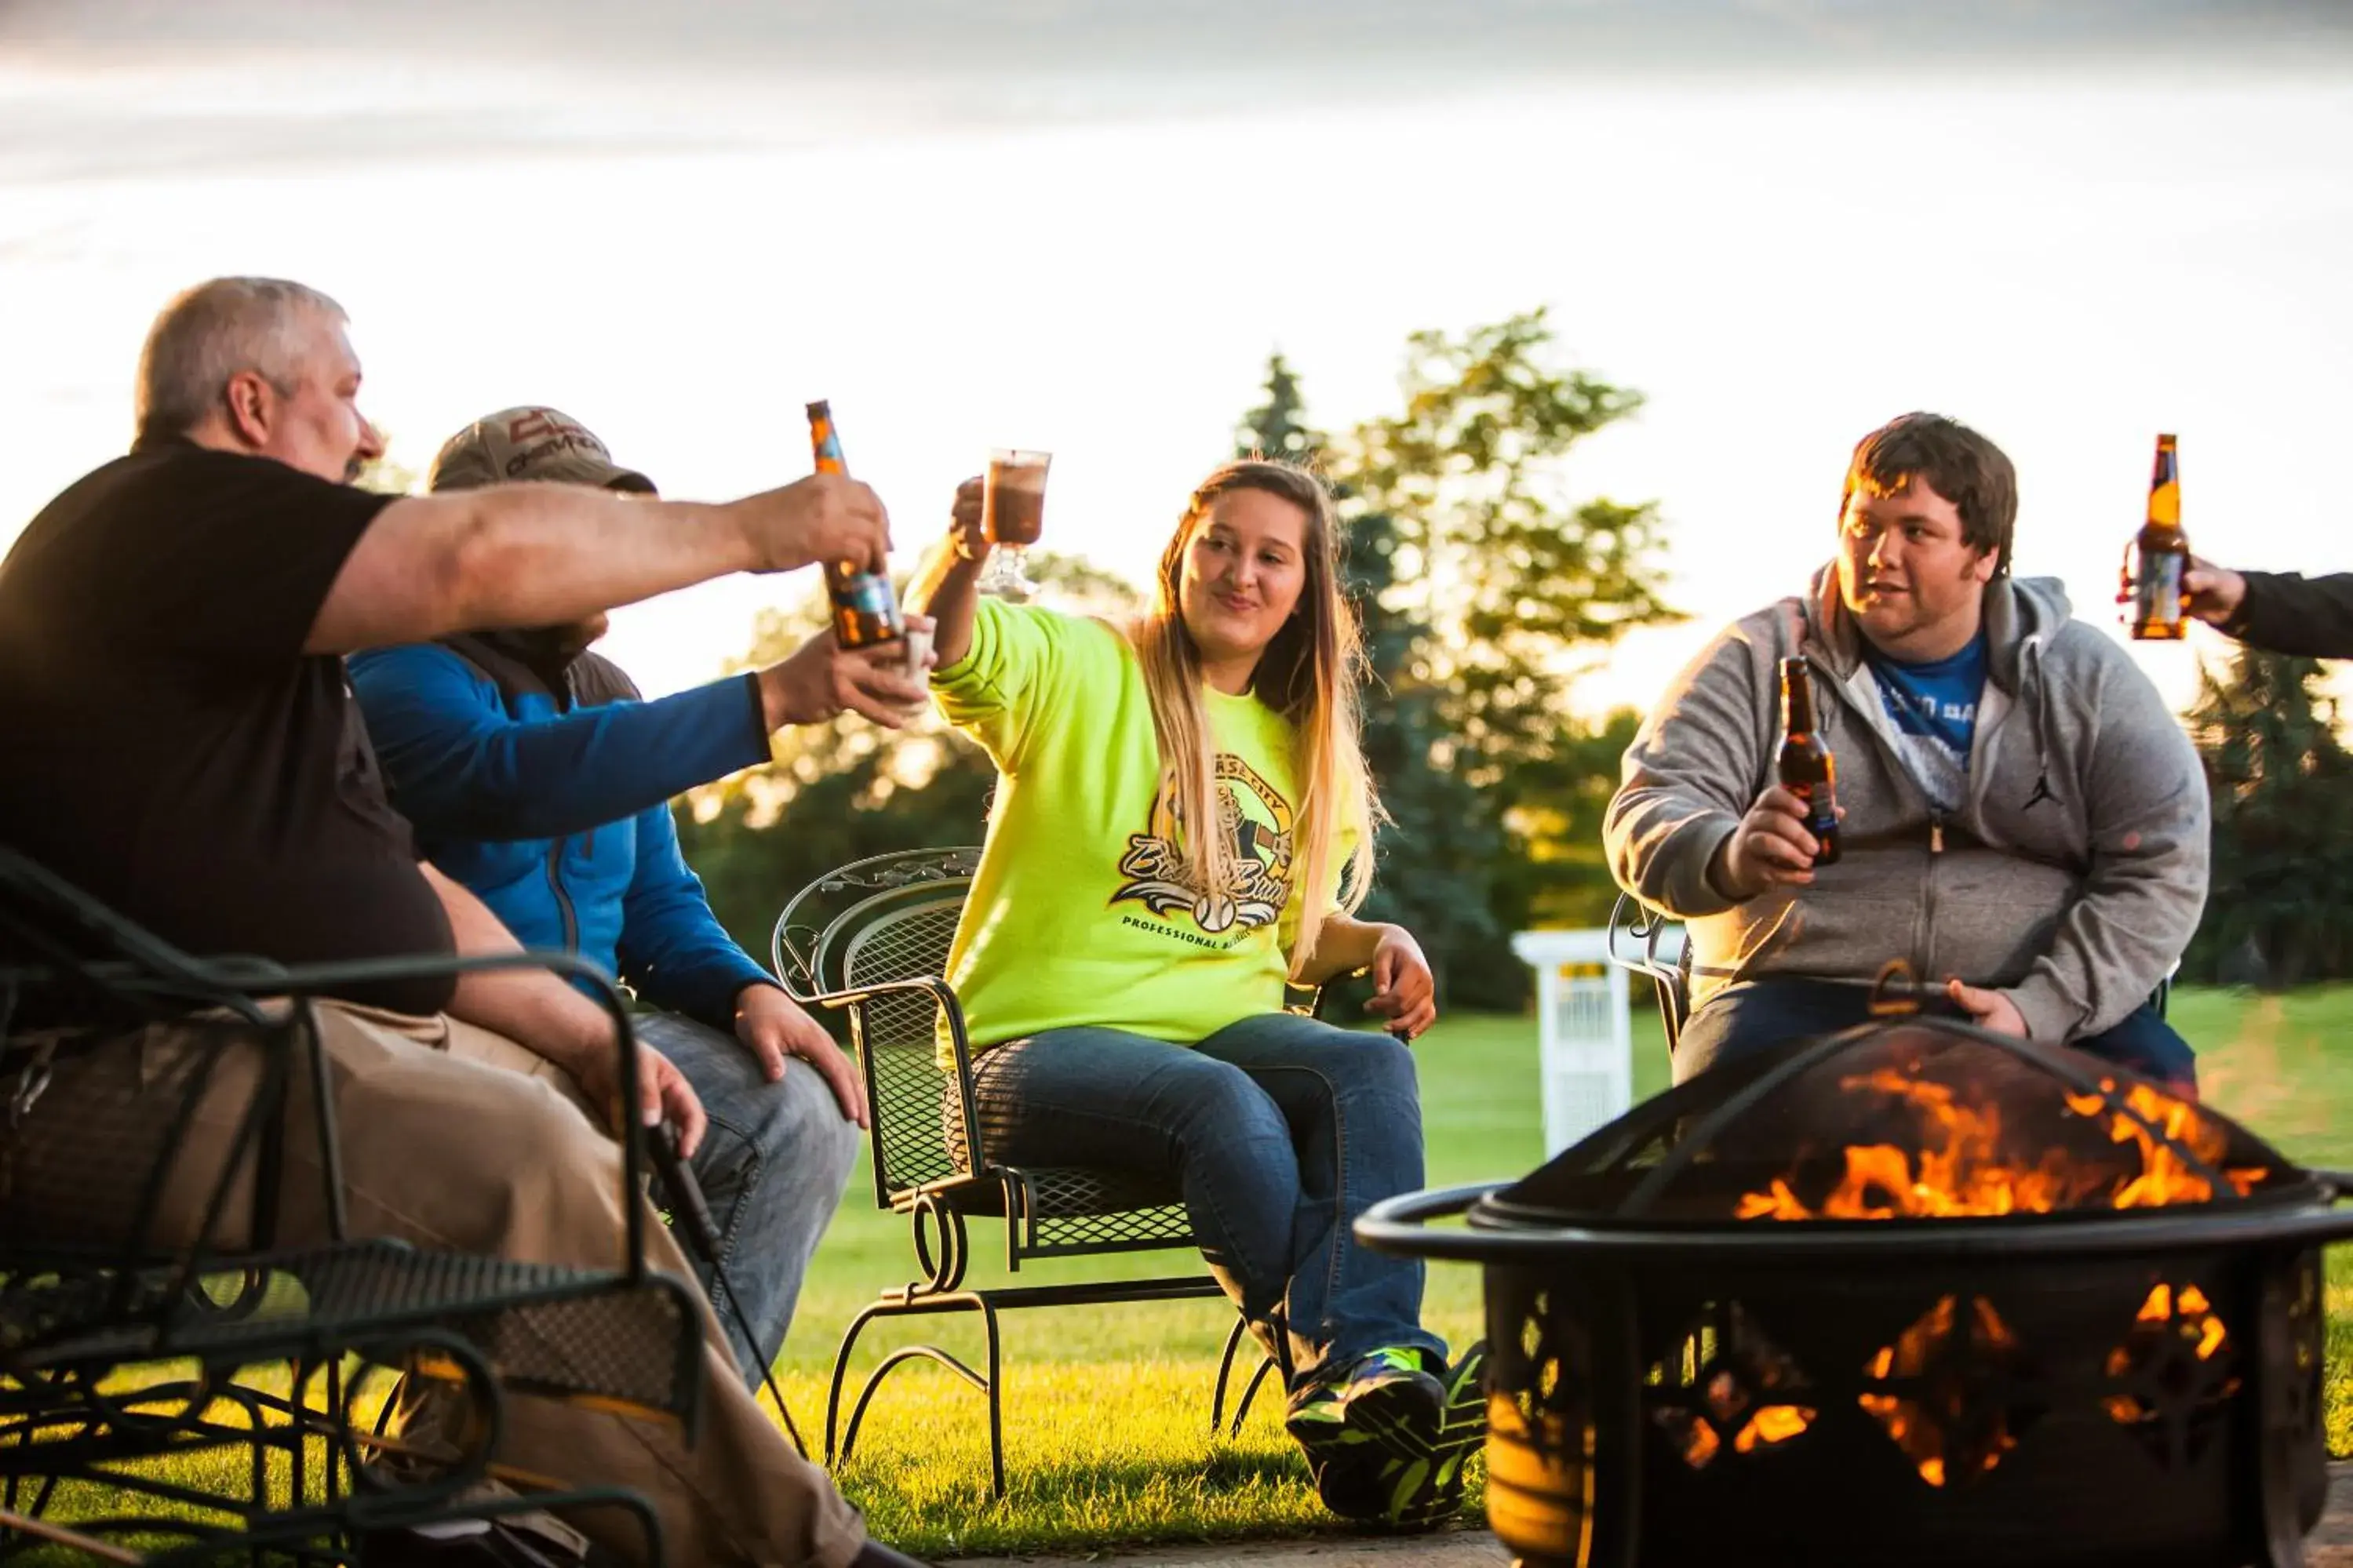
(1930, 1426)
(1960, 1169)
(2185, 1314)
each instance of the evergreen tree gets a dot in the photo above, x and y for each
(2279, 903)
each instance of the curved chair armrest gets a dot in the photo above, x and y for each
(1639, 925)
(959, 1047)
(792, 958)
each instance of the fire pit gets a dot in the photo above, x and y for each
(1910, 1294)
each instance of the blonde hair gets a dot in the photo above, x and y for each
(1311, 673)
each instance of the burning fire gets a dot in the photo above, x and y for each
(1702, 1396)
(2168, 1318)
(1961, 1169)
(1941, 1422)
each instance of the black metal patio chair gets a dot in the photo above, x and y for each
(89, 1308)
(873, 939)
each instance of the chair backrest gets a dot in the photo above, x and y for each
(875, 922)
(84, 1190)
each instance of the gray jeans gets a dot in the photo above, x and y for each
(772, 1167)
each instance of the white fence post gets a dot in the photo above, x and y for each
(1586, 1041)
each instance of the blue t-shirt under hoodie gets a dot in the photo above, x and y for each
(1934, 708)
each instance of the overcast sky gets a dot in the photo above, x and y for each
(466, 78)
(1082, 226)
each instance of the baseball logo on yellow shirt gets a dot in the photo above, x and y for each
(1256, 820)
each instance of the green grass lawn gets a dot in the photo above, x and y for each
(1107, 1409)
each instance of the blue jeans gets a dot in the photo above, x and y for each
(1749, 1016)
(1279, 1130)
(772, 1167)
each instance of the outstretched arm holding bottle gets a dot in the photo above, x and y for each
(2280, 611)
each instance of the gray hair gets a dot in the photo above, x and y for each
(213, 332)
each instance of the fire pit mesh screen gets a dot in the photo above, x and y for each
(1914, 1121)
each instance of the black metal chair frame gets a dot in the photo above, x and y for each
(1639, 935)
(72, 1316)
(841, 943)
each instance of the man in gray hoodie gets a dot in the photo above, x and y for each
(2023, 821)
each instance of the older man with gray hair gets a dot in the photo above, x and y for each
(171, 633)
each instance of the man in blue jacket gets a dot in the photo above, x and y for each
(536, 775)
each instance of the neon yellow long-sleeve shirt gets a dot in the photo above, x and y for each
(1080, 912)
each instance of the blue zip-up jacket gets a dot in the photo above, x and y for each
(546, 792)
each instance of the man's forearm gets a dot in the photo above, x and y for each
(946, 588)
(520, 555)
(534, 1007)
(2289, 614)
(539, 555)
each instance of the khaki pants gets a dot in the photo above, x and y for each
(444, 1150)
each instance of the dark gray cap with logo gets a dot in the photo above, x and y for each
(533, 444)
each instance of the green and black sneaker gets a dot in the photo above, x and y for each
(1395, 1397)
(1464, 1426)
(1389, 1445)
(1426, 1488)
(1345, 1463)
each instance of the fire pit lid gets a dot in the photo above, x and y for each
(1918, 1120)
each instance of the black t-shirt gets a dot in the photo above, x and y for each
(166, 745)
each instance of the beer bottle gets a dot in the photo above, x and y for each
(2161, 555)
(865, 610)
(1806, 767)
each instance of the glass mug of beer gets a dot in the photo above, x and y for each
(1012, 518)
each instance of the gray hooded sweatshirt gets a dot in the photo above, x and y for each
(2071, 877)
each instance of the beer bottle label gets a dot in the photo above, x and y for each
(866, 594)
(1821, 807)
(2157, 598)
(829, 459)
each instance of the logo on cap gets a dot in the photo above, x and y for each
(552, 433)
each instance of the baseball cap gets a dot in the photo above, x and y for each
(535, 444)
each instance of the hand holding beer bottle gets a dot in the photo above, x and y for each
(821, 518)
(1793, 827)
(2158, 560)
(865, 607)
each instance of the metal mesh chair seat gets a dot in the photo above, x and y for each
(1072, 1211)
(546, 1329)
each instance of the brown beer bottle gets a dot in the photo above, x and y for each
(2160, 554)
(865, 610)
(1806, 767)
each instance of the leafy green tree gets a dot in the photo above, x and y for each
(1485, 585)
(2279, 904)
(1511, 574)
